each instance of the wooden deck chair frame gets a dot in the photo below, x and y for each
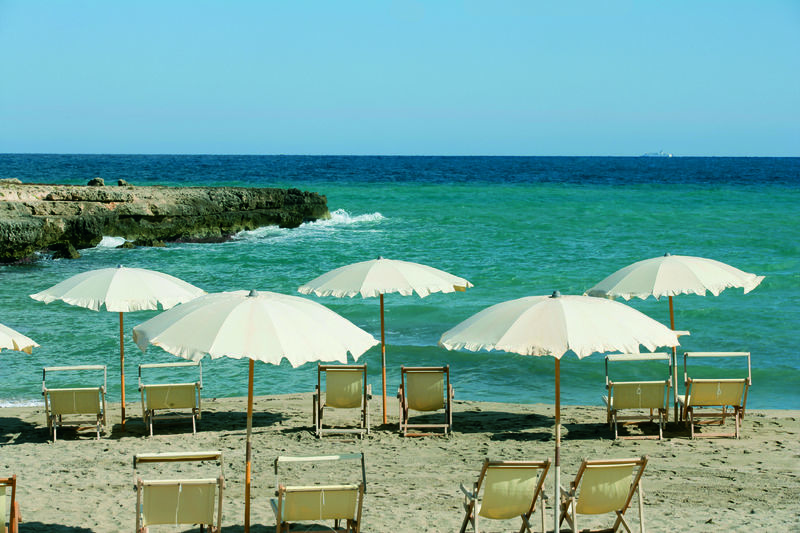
(498, 502)
(170, 397)
(14, 518)
(338, 394)
(605, 494)
(707, 400)
(409, 399)
(204, 493)
(340, 503)
(652, 397)
(74, 402)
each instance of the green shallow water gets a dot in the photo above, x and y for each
(509, 238)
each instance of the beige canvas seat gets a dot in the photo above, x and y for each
(604, 486)
(314, 502)
(707, 401)
(183, 501)
(82, 405)
(641, 401)
(172, 399)
(506, 490)
(425, 389)
(8, 500)
(345, 388)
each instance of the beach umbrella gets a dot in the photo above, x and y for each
(259, 326)
(554, 325)
(382, 276)
(121, 290)
(14, 340)
(669, 276)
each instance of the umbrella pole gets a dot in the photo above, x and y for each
(248, 449)
(122, 365)
(674, 363)
(557, 490)
(383, 361)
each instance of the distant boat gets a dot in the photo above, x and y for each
(660, 153)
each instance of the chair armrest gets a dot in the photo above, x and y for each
(470, 494)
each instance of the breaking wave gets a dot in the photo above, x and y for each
(338, 219)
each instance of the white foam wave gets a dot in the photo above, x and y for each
(338, 218)
(111, 242)
(21, 403)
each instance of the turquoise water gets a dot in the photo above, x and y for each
(512, 226)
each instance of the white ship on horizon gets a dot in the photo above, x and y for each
(660, 153)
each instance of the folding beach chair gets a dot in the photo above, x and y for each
(183, 501)
(426, 389)
(604, 486)
(317, 502)
(510, 490)
(345, 388)
(75, 401)
(171, 397)
(642, 401)
(707, 400)
(7, 485)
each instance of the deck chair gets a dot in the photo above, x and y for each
(707, 400)
(81, 402)
(642, 401)
(425, 389)
(345, 388)
(171, 397)
(184, 501)
(604, 486)
(510, 490)
(303, 503)
(7, 485)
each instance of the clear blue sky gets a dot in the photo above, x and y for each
(401, 77)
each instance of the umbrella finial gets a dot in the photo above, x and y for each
(253, 293)
(556, 294)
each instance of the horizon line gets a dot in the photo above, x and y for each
(647, 155)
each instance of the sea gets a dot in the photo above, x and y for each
(513, 226)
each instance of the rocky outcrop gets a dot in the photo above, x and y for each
(56, 217)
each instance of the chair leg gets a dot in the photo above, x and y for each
(641, 507)
(621, 522)
(467, 517)
(526, 525)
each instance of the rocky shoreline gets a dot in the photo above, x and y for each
(59, 219)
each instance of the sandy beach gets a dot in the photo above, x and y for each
(81, 484)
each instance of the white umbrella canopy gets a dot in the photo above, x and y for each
(14, 340)
(671, 275)
(121, 290)
(383, 276)
(259, 326)
(554, 325)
